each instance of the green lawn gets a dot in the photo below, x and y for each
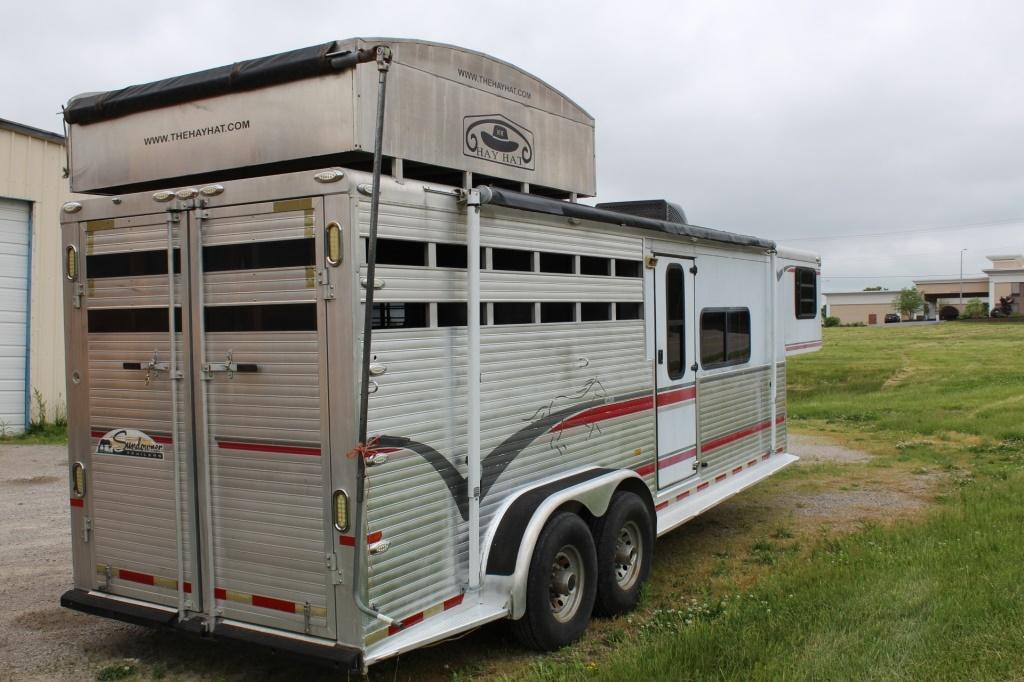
(940, 596)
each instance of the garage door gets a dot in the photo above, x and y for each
(14, 232)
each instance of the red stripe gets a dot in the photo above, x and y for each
(453, 602)
(751, 462)
(408, 622)
(75, 502)
(163, 440)
(721, 477)
(188, 588)
(660, 506)
(766, 455)
(685, 493)
(271, 603)
(737, 470)
(678, 395)
(135, 577)
(220, 593)
(703, 485)
(267, 447)
(677, 458)
(742, 433)
(645, 470)
(603, 412)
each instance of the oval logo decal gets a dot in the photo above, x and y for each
(129, 443)
(498, 139)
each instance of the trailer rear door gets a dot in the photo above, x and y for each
(261, 413)
(135, 519)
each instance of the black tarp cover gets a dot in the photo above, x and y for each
(306, 62)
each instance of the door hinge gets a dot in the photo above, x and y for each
(76, 295)
(693, 269)
(323, 278)
(336, 572)
(694, 367)
(86, 528)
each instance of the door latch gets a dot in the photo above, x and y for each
(229, 365)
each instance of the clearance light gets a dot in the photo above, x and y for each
(72, 207)
(211, 190)
(186, 194)
(341, 510)
(71, 262)
(332, 175)
(163, 195)
(78, 479)
(333, 243)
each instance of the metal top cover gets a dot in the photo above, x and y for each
(448, 108)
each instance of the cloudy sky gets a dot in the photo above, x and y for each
(804, 122)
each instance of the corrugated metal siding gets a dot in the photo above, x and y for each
(31, 170)
(528, 371)
(14, 261)
(729, 403)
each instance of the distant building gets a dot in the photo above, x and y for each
(32, 190)
(945, 298)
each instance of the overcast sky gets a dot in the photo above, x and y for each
(788, 120)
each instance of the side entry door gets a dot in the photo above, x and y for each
(675, 374)
(261, 413)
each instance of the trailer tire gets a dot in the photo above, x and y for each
(625, 548)
(561, 585)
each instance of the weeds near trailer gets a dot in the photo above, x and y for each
(44, 427)
(121, 671)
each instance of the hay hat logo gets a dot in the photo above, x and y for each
(499, 140)
(129, 443)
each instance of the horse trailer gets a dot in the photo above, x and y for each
(351, 370)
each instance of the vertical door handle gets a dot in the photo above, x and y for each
(661, 357)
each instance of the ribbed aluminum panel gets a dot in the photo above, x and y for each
(782, 427)
(729, 405)
(133, 503)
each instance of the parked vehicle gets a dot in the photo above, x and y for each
(892, 317)
(545, 387)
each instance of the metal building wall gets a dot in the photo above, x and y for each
(31, 168)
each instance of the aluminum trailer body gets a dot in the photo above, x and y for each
(214, 337)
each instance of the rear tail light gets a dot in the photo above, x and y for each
(341, 510)
(78, 479)
(71, 262)
(333, 243)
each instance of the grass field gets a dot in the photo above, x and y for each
(934, 595)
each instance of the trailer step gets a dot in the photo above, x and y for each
(435, 629)
(682, 510)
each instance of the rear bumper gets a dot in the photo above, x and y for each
(131, 611)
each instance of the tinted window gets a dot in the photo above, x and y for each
(592, 312)
(452, 256)
(287, 317)
(592, 265)
(288, 253)
(513, 313)
(399, 315)
(557, 312)
(629, 311)
(557, 262)
(724, 337)
(133, 264)
(131, 320)
(627, 268)
(512, 259)
(451, 314)
(806, 291)
(674, 346)
(399, 252)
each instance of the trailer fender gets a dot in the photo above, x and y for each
(517, 524)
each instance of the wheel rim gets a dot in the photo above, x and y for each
(566, 586)
(628, 550)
